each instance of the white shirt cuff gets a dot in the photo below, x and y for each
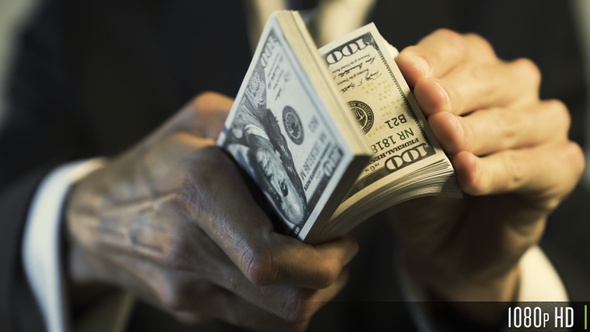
(538, 279)
(41, 243)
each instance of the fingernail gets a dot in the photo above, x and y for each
(421, 64)
(445, 100)
(353, 250)
(455, 122)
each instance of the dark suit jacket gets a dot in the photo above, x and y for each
(93, 77)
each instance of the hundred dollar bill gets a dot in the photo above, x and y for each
(407, 160)
(286, 127)
(331, 137)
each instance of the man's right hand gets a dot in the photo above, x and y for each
(173, 222)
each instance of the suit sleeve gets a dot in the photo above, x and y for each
(18, 308)
(39, 132)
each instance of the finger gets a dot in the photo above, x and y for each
(235, 310)
(218, 199)
(193, 318)
(206, 302)
(287, 302)
(492, 130)
(293, 262)
(195, 300)
(440, 52)
(295, 303)
(189, 252)
(211, 110)
(203, 116)
(470, 87)
(433, 56)
(545, 173)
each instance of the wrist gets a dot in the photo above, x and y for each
(81, 221)
(461, 305)
(82, 280)
(450, 285)
(43, 239)
(497, 289)
(475, 304)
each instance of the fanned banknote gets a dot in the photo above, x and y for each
(331, 137)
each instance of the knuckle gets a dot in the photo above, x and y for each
(171, 246)
(510, 127)
(560, 114)
(475, 38)
(196, 189)
(298, 307)
(476, 185)
(202, 99)
(451, 37)
(156, 231)
(453, 132)
(528, 71)
(169, 294)
(258, 266)
(174, 255)
(514, 169)
(570, 158)
(171, 303)
(481, 45)
(575, 158)
(551, 204)
(328, 275)
(204, 95)
(189, 190)
(510, 175)
(475, 181)
(457, 43)
(193, 318)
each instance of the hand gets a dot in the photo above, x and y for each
(512, 158)
(172, 221)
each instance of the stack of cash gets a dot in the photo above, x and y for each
(334, 136)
